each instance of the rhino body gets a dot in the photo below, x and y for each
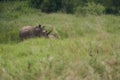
(26, 32)
(30, 32)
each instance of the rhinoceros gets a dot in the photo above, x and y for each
(30, 32)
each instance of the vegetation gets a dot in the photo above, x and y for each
(70, 6)
(88, 48)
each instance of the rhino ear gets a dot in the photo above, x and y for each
(39, 26)
(43, 27)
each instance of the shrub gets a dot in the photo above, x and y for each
(90, 8)
(68, 6)
(36, 3)
(80, 11)
(47, 5)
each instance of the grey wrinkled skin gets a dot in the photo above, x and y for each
(26, 32)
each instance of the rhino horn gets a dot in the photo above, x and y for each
(48, 32)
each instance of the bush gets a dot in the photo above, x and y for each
(47, 5)
(36, 3)
(68, 6)
(90, 8)
(80, 11)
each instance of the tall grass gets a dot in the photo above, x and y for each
(88, 48)
(80, 58)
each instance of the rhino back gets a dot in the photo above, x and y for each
(26, 32)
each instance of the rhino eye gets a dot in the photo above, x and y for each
(37, 29)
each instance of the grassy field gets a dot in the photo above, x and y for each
(88, 48)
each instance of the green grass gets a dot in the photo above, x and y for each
(88, 48)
